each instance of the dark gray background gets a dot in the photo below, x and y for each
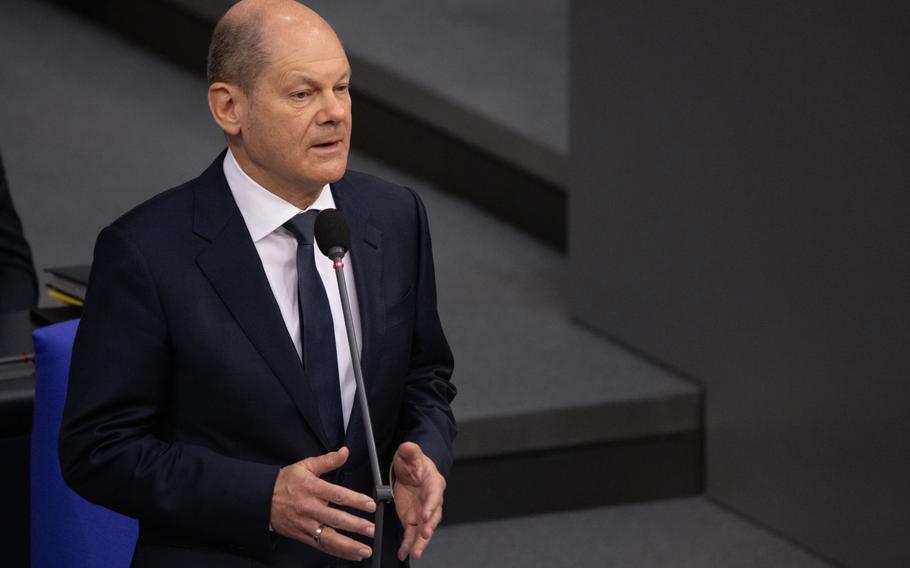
(739, 212)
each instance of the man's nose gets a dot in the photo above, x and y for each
(333, 108)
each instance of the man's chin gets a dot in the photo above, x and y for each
(326, 175)
(334, 171)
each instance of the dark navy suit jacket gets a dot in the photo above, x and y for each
(186, 394)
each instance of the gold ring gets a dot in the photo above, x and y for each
(318, 532)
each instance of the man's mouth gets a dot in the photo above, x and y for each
(328, 144)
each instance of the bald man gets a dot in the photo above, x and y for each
(211, 391)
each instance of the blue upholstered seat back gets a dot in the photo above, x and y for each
(67, 531)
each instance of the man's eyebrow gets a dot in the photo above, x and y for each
(299, 76)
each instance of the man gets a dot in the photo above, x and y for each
(211, 390)
(18, 282)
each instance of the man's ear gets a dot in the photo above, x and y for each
(226, 102)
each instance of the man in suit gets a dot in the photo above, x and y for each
(211, 391)
(18, 282)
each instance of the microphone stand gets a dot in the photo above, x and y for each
(383, 493)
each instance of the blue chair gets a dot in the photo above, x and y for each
(67, 531)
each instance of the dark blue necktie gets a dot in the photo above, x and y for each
(317, 332)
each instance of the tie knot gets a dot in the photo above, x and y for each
(301, 226)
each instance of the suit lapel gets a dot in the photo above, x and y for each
(234, 269)
(366, 263)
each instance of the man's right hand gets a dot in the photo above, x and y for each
(300, 505)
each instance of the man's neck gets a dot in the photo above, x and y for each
(298, 196)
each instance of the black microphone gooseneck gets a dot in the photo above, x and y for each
(334, 240)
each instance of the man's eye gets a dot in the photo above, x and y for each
(341, 89)
(300, 95)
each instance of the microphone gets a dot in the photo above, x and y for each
(332, 234)
(334, 239)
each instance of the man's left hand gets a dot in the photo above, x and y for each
(418, 490)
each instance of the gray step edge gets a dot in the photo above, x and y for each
(554, 428)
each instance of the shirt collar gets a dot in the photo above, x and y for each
(263, 211)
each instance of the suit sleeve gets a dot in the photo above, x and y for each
(427, 416)
(114, 443)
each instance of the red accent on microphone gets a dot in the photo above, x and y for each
(337, 264)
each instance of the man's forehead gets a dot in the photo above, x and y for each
(315, 72)
(301, 41)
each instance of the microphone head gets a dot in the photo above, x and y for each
(332, 234)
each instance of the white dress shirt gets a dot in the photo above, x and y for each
(264, 214)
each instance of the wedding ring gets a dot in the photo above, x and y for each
(318, 532)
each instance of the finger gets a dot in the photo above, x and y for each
(411, 465)
(433, 495)
(331, 493)
(407, 460)
(425, 535)
(407, 543)
(337, 544)
(321, 465)
(429, 527)
(409, 451)
(345, 521)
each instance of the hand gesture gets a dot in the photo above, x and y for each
(300, 507)
(418, 490)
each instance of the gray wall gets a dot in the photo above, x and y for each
(739, 212)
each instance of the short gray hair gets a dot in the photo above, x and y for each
(237, 52)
